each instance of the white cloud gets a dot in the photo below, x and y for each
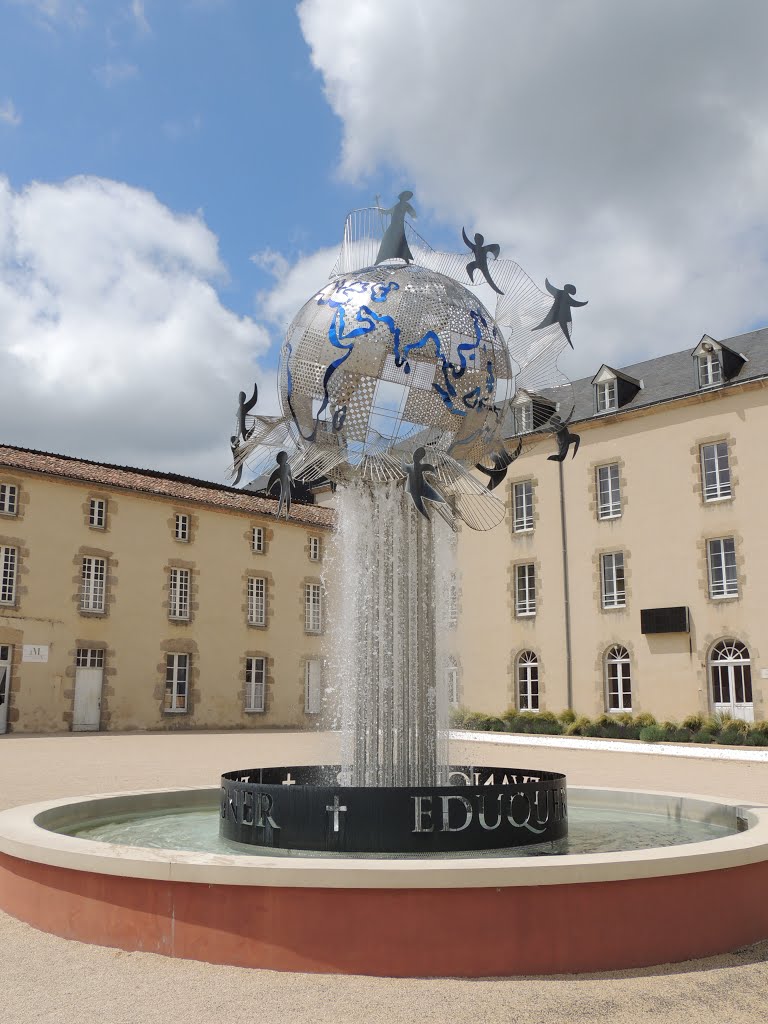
(114, 343)
(9, 114)
(113, 73)
(140, 17)
(51, 12)
(294, 283)
(622, 147)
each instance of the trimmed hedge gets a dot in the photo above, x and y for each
(694, 728)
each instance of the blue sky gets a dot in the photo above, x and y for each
(174, 176)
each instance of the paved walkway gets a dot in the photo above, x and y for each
(52, 981)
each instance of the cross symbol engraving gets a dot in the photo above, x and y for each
(335, 808)
(288, 781)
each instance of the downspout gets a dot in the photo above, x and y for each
(566, 594)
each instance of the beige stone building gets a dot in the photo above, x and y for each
(634, 576)
(137, 600)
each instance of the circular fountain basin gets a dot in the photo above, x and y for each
(488, 915)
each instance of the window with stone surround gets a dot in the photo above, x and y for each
(522, 498)
(9, 500)
(613, 586)
(181, 530)
(257, 540)
(315, 549)
(97, 513)
(608, 491)
(721, 562)
(176, 682)
(715, 471)
(618, 678)
(9, 560)
(255, 683)
(257, 601)
(93, 578)
(525, 590)
(178, 594)
(313, 608)
(528, 681)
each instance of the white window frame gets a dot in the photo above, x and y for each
(613, 580)
(606, 396)
(710, 370)
(730, 676)
(313, 608)
(257, 601)
(715, 471)
(608, 491)
(313, 699)
(9, 500)
(89, 657)
(97, 513)
(523, 415)
(176, 672)
(522, 504)
(255, 684)
(9, 565)
(618, 679)
(527, 681)
(181, 530)
(257, 540)
(525, 590)
(179, 583)
(722, 568)
(315, 549)
(452, 682)
(93, 584)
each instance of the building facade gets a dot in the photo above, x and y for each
(137, 600)
(633, 576)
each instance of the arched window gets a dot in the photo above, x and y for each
(730, 675)
(618, 678)
(527, 681)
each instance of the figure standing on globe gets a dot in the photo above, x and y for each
(394, 245)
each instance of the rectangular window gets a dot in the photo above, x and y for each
(257, 601)
(605, 396)
(313, 608)
(89, 657)
(524, 417)
(97, 513)
(314, 549)
(182, 527)
(255, 677)
(8, 563)
(608, 492)
(723, 577)
(178, 594)
(313, 670)
(525, 590)
(453, 601)
(613, 585)
(522, 494)
(9, 499)
(176, 680)
(452, 684)
(93, 584)
(710, 370)
(715, 471)
(257, 540)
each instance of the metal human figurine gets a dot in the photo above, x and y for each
(564, 441)
(394, 245)
(243, 408)
(480, 262)
(234, 444)
(560, 313)
(501, 462)
(416, 483)
(283, 478)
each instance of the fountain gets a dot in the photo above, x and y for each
(396, 383)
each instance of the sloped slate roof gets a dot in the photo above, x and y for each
(149, 481)
(674, 375)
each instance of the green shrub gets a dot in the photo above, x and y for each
(576, 727)
(645, 719)
(740, 726)
(495, 725)
(703, 736)
(591, 729)
(760, 727)
(624, 718)
(458, 716)
(729, 737)
(712, 725)
(547, 716)
(546, 727)
(652, 733)
(604, 719)
(477, 721)
(693, 722)
(568, 716)
(613, 731)
(680, 735)
(756, 738)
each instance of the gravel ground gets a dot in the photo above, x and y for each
(51, 980)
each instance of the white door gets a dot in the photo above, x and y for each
(5, 684)
(89, 676)
(731, 677)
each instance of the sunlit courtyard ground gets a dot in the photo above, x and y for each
(47, 979)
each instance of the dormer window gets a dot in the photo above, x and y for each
(716, 364)
(605, 396)
(613, 389)
(522, 409)
(710, 370)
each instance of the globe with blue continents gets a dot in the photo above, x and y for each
(390, 358)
